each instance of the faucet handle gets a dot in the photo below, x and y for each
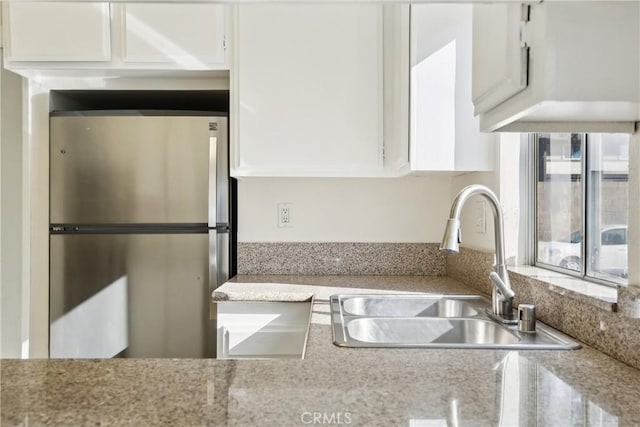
(506, 292)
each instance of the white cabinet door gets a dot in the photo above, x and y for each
(42, 31)
(262, 329)
(499, 55)
(444, 134)
(307, 88)
(583, 71)
(190, 36)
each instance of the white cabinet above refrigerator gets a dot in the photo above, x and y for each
(69, 38)
(57, 32)
(557, 66)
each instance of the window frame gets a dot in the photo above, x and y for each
(533, 151)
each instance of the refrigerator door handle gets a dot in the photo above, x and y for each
(213, 173)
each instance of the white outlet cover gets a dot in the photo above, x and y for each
(285, 220)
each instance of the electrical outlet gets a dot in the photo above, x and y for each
(284, 215)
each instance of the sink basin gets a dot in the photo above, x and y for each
(422, 331)
(408, 305)
(431, 321)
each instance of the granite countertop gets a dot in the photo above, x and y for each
(332, 385)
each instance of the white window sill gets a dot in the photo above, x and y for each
(604, 297)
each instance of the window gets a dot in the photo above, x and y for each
(581, 204)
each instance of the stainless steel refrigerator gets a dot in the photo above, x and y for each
(139, 233)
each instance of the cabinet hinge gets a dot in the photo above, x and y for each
(525, 40)
(525, 43)
(525, 36)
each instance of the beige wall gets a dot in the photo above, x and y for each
(411, 209)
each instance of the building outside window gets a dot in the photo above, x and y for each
(581, 204)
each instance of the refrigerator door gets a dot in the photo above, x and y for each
(138, 169)
(130, 295)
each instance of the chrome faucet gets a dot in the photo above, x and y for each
(502, 295)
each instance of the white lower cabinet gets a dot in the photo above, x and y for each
(307, 90)
(261, 329)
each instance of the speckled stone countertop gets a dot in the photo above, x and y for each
(332, 385)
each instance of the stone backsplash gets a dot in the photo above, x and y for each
(393, 259)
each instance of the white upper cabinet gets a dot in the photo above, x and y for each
(500, 56)
(307, 90)
(57, 31)
(115, 36)
(444, 134)
(582, 66)
(188, 36)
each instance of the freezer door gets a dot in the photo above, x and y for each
(135, 295)
(134, 169)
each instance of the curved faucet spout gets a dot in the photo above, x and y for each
(451, 239)
(502, 295)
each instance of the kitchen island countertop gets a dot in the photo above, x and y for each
(332, 385)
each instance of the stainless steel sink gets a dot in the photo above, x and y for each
(431, 321)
